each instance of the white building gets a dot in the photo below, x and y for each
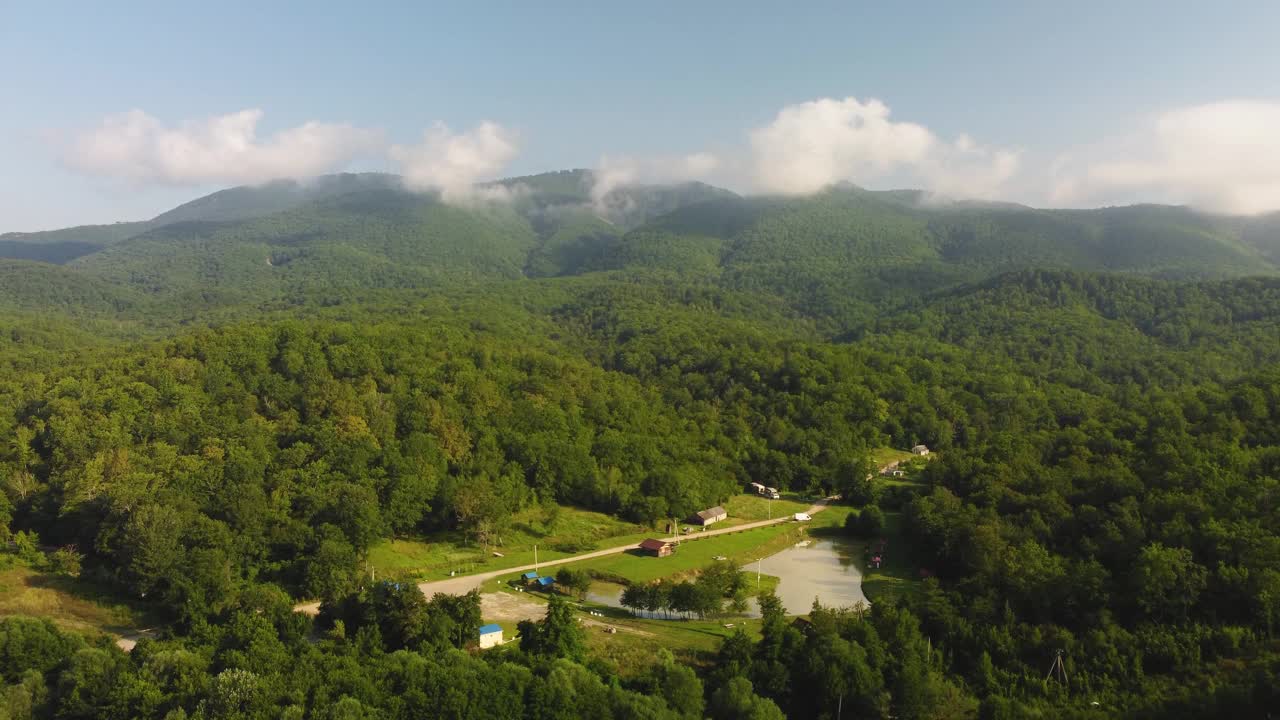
(920, 450)
(490, 635)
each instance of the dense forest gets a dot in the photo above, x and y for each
(218, 412)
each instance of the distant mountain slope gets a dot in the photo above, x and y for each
(1262, 233)
(843, 257)
(88, 234)
(626, 205)
(372, 238)
(56, 252)
(43, 287)
(1040, 317)
(845, 251)
(577, 227)
(238, 203)
(61, 246)
(251, 201)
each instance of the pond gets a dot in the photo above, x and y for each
(825, 569)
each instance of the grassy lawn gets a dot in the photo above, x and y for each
(634, 648)
(70, 604)
(897, 576)
(558, 533)
(691, 555)
(884, 456)
(748, 508)
(742, 547)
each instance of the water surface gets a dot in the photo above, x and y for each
(826, 569)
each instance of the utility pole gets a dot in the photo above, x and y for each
(535, 558)
(840, 706)
(1057, 668)
(759, 565)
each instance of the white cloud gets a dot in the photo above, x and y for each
(614, 172)
(1222, 156)
(811, 145)
(454, 162)
(223, 149)
(966, 169)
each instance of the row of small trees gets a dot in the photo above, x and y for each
(705, 595)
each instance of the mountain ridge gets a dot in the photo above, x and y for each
(843, 255)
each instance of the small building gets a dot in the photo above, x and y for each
(529, 576)
(920, 450)
(490, 635)
(802, 517)
(657, 548)
(772, 493)
(711, 515)
(545, 582)
(756, 488)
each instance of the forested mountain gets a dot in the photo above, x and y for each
(843, 255)
(218, 413)
(239, 203)
(845, 252)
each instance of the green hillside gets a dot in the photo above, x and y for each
(41, 287)
(87, 234)
(848, 254)
(252, 201)
(61, 246)
(367, 239)
(1262, 233)
(56, 252)
(844, 256)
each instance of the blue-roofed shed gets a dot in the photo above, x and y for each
(546, 581)
(490, 635)
(531, 575)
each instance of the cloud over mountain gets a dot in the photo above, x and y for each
(1222, 156)
(813, 144)
(453, 162)
(139, 148)
(615, 171)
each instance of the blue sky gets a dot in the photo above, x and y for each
(1076, 91)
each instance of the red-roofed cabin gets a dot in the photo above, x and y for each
(657, 548)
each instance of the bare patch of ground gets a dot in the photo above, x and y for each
(511, 608)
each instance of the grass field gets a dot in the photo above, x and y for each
(554, 532)
(884, 456)
(742, 547)
(565, 527)
(748, 508)
(68, 603)
(637, 643)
